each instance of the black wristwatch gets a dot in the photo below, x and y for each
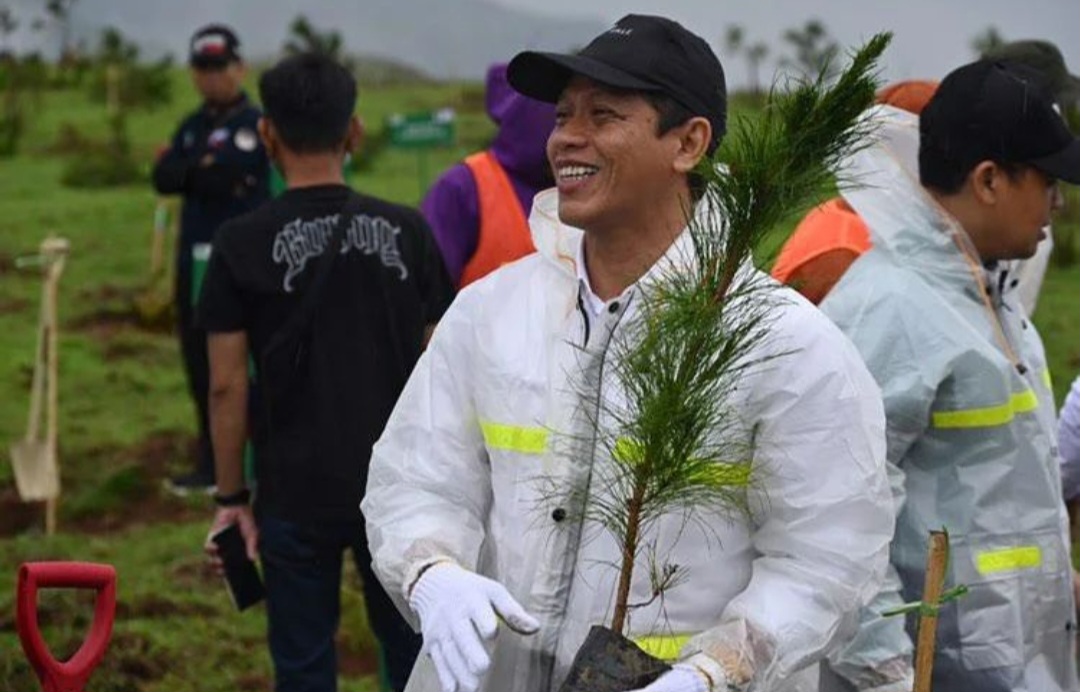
(240, 497)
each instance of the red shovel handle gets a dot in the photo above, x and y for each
(70, 675)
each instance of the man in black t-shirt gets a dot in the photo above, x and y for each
(378, 285)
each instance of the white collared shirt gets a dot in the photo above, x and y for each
(594, 303)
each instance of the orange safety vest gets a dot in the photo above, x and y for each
(504, 231)
(822, 247)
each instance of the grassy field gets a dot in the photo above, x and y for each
(126, 421)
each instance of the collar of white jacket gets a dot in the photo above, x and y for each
(560, 243)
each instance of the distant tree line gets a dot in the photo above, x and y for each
(812, 51)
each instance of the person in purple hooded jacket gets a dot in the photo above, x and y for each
(478, 209)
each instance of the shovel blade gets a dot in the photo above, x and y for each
(36, 474)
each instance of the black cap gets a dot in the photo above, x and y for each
(642, 53)
(214, 46)
(998, 111)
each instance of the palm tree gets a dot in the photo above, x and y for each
(989, 40)
(814, 49)
(755, 55)
(305, 38)
(8, 25)
(60, 11)
(733, 40)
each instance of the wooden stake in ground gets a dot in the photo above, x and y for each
(934, 596)
(937, 559)
(154, 304)
(34, 460)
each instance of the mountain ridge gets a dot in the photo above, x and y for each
(456, 39)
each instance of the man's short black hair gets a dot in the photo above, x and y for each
(946, 171)
(310, 99)
(672, 114)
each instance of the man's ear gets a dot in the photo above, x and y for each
(695, 135)
(355, 135)
(986, 182)
(268, 135)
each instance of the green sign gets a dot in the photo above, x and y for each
(422, 130)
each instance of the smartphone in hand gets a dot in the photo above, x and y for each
(241, 575)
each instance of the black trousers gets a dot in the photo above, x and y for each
(195, 359)
(302, 568)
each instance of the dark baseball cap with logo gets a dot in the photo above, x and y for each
(640, 53)
(999, 111)
(213, 47)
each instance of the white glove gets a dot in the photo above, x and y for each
(459, 612)
(681, 678)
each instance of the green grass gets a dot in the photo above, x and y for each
(1056, 312)
(126, 420)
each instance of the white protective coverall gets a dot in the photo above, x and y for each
(457, 474)
(1069, 442)
(971, 436)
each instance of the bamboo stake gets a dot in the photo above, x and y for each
(54, 251)
(937, 559)
(37, 388)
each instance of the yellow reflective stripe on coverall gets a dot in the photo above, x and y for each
(988, 416)
(514, 438)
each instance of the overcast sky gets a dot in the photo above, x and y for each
(931, 36)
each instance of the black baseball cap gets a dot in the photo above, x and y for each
(641, 53)
(214, 46)
(1000, 111)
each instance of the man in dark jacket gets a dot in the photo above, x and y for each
(219, 166)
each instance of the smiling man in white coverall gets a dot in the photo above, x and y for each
(971, 424)
(461, 531)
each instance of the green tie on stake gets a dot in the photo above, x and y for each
(934, 596)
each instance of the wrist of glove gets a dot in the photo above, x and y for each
(698, 673)
(459, 613)
(905, 685)
(894, 675)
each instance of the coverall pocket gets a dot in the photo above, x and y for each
(990, 615)
(990, 625)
